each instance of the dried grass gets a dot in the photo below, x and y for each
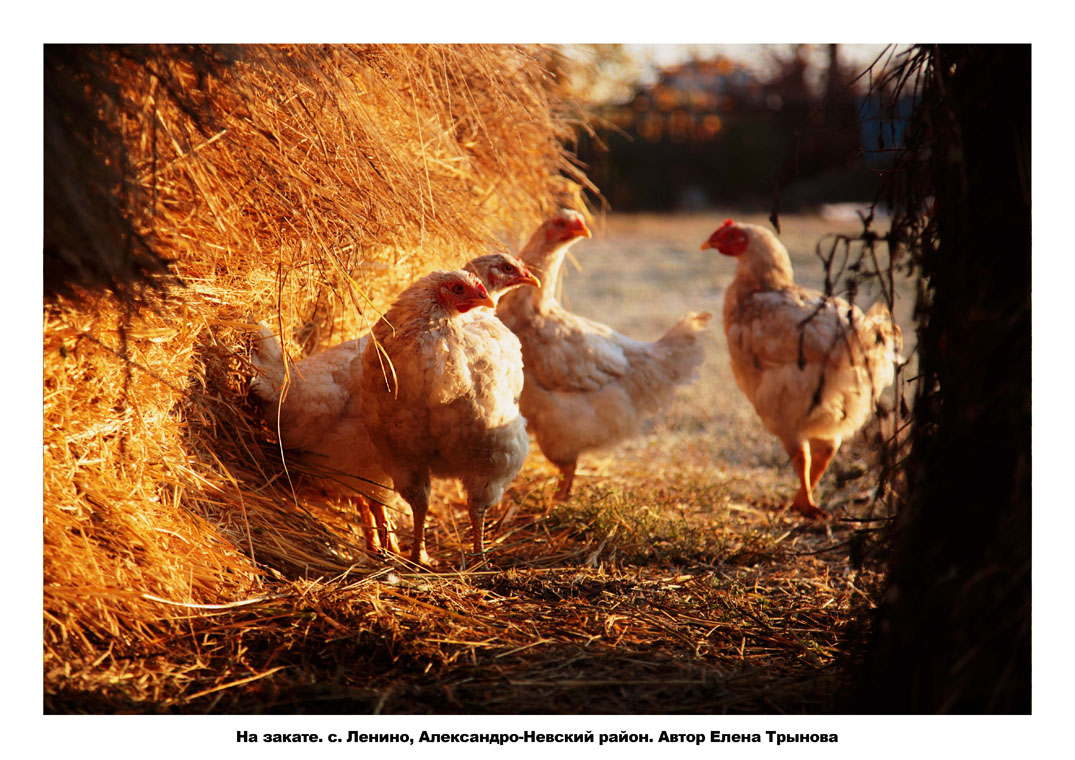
(305, 185)
(678, 599)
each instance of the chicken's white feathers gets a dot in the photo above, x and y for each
(457, 379)
(587, 386)
(316, 413)
(813, 366)
(450, 406)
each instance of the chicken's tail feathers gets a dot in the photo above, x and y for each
(268, 359)
(686, 330)
(681, 352)
(882, 342)
(883, 329)
(878, 313)
(691, 324)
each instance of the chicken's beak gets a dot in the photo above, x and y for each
(529, 278)
(485, 300)
(576, 228)
(707, 244)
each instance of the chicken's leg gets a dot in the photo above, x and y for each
(385, 535)
(365, 518)
(567, 477)
(821, 453)
(804, 500)
(477, 525)
(417, 496)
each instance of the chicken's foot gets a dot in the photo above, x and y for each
(804, 503)
(567, 477)
(477, 526)
(377, 527)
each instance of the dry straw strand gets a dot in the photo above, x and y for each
(306, 185)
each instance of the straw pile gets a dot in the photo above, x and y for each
(191, 192)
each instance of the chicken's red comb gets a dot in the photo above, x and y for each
(721, 232)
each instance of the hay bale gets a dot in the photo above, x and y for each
(214, 187)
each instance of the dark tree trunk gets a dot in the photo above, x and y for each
(952, 634)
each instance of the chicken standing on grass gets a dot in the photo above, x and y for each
(812, 366)
(319, 420)
(440, 396)
(586, 386)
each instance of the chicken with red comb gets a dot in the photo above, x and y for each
(440, 397)
(587, 387)
(812, 365)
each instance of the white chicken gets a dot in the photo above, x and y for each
(319, 425)
(500, 272)
(812, 366)
(586, 386)
(439, 397)
(319, 421)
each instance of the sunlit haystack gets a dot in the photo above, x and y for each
(305, 186)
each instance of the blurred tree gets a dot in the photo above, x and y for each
(821, 161)
(712, 131)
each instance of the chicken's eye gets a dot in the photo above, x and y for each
(509, 269)
(458, 289)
